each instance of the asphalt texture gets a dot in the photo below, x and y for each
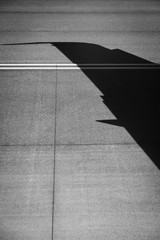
(68, 169)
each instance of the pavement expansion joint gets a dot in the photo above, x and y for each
(66, 144)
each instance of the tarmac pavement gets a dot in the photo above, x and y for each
(63, 174)
(129, 26)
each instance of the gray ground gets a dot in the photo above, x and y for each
(132, 26)
(63, 175)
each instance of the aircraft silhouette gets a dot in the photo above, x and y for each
(130, 88)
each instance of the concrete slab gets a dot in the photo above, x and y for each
(26, 189)
(78, 22)
(27, 106)
(106, 192)
(44, 53)
(132, 26)
(79, 6)
(79, 107)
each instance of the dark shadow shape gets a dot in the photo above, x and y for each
(130, 87)
(112, 122)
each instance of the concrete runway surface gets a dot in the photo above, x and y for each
(63, 174)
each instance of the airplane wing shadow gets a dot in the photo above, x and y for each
(130, 90)
(130, 87)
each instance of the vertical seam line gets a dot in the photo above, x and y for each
(54, 163)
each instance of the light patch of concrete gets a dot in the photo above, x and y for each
(40, 53)
(26, 190)
(77, 22)
(132, 26)
(106, 192)
(79, 6)
(27, 106)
